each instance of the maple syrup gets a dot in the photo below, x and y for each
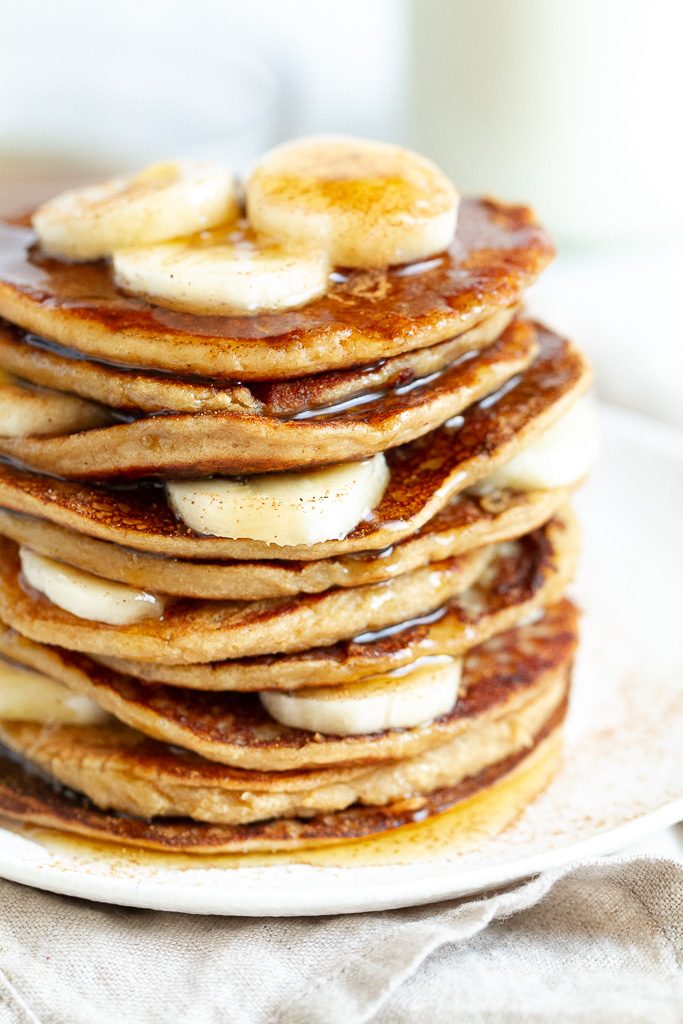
(466, 827)
(497, 251)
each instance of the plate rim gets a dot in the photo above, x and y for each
(155, 894)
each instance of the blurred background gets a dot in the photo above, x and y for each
(573, 106)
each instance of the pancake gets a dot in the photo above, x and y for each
(530, 576)
(425, 475)
(497, 251)
(468, 522)
(48, 365)
(27, 797)
(120, 769)
(236, 730)
(198, 444)
(428, 363)
(201, 631)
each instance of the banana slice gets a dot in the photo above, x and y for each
(367, 204)
(28, 696)
(164, 201)
(398, 700)
(27, 410)
(561, 456)
(88, 596)
(222, 272)
(282, 508)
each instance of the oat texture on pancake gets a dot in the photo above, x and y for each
(285, 485)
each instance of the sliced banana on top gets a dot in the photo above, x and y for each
(367, 204)
(282, 508)
(164, 201)
(86, 595)
(398, 700)
(28, 696)
(228, 271)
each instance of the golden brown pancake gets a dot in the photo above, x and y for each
(426, 362)
(120, 769)
(497, 251)
(195, 631)
(46, 364)
(236, 730)
(468, 522)
(530, 575)
(527, 577)
(27, 797)
(425, 475)
(202, 443)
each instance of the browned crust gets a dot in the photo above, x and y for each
(195, 631)
(533, 576)
(235, 729)
(120, 770)
(27, 797)
(466, 523)
(201, 443)
(425, 475)
(51, 366)
(497, 252)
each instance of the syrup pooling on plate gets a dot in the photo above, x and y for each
(467, 826)
(26, 796)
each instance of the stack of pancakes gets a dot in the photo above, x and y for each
(175, 730)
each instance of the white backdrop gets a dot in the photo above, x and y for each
(132, 80)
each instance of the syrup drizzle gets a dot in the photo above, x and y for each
(497, 251)
(466, 827)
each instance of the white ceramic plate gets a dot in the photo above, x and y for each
(623, 772)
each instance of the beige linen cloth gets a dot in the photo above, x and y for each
(599, 944)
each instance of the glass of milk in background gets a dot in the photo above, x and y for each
(573, 106)
(575, 103)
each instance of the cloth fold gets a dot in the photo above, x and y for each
(601, 943)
